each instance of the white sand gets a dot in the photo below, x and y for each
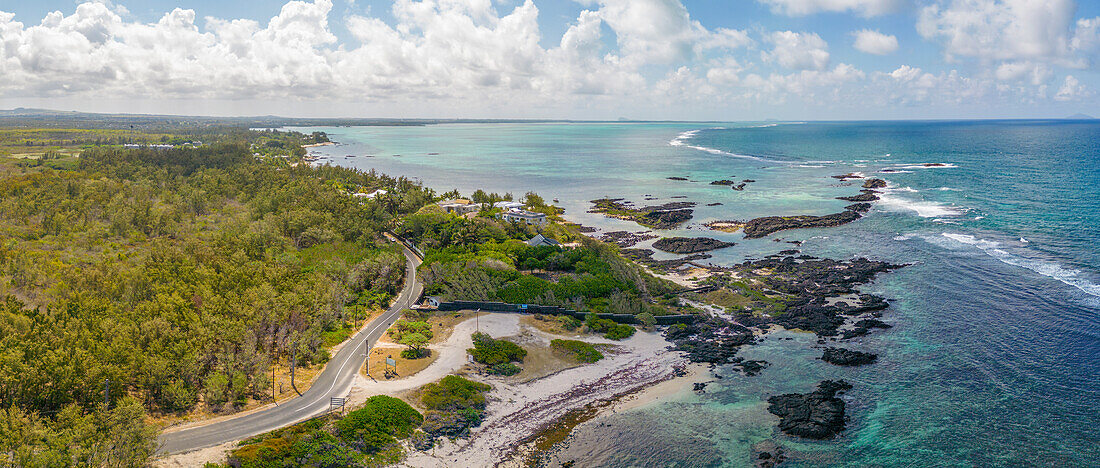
(519, 410)
(516, 410)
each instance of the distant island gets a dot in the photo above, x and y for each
(1080, 117)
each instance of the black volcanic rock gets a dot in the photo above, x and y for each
(815, 415)
(676, 178)
(874, 183)
(847, 357)
(668, 219)
(688, 245)
(858, 207)
(863, 197)
(761, 227)
(723, 182)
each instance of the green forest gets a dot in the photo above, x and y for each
(140, 283)
(177, 278)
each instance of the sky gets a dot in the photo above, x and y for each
(725, 60)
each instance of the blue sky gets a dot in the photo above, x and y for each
(587, 59)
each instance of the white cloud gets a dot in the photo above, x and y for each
(797, 51)
(874, 42)
(1035, 73)
(995, 30)
(1071, 90)
(1086, 38)
(807, 7)
(651, 31)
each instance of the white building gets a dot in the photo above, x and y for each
(523, 216)
(459, 206)
(508, 205)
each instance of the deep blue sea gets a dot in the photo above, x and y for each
(994, 357)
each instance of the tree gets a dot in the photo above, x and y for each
(647, 320)
(416, 343)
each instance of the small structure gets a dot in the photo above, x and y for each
(459, 206)
(434, 301)
(523, 216)
(540, 240)
(508, 205)
(371, 195)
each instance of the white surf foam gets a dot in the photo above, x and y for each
(1042, 267)
(683, 138)
(924, 209)
(923, 166)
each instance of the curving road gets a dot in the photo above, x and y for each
(334, 381)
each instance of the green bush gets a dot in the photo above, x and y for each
(610, 329)
(505, 368)
(491, 352)
(376, 425)
(569, 322)
(454, 393)
(580, 351)
(415, 353)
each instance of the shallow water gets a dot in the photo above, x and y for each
(994, 358)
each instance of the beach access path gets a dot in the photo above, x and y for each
(335, 380)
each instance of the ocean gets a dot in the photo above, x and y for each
(994, 354)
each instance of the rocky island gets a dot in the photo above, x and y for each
(666, 216)
(815, 415)
(689, 245)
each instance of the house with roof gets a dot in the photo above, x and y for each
(459, 206)
(516, 215)
(508, 205)
(540, 240)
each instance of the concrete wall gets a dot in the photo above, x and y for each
(551, 310)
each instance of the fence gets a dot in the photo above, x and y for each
(552, 310)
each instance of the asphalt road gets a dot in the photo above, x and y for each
(335, 381)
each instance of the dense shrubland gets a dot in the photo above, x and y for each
(180, 275)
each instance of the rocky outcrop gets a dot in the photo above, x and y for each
(761, 227)
(645, 257)
(847, 176)
(714, 340)
(676, 178)
(859, 207)
(874, 183)
(749, 367)
(666, 219)
(847, 357)
(723, 182)
(689, 245)
(815, 415)
(626, 239)
(866, 196)
(666, 216)
(863, 327)
(738, 187)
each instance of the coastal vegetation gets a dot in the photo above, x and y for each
(176, 279)
(577, 350)
(497, 354)
(366, 436)
(454, 405)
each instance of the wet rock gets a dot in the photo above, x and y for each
(863, 197)
(668, 219)
(815, 415)
(859, 207)
(676, 178)
(847, 357)
(626, 239)
(749, 367)
(739, 187)
(714, 340)
(761, 227)
(847, 176)
(699, 387)
(714, 204)
(723, 182)
(748, 181)
(688, 245)
(874, 183)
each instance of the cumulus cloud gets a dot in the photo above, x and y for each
(1071, 90)
(797, 51)
(807, 7)
(874, 42)
(995, 30)
(490, 55)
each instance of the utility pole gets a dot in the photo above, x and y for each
(107, 392)
(477, 320)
